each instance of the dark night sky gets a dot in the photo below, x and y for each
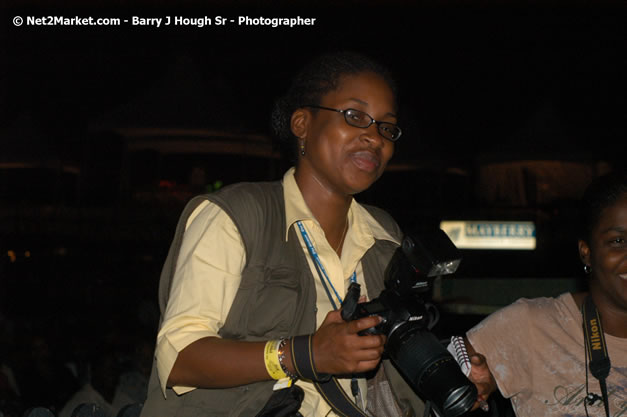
(509, 78)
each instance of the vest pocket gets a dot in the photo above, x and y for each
(274, 309)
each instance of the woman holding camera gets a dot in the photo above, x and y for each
(250, 293)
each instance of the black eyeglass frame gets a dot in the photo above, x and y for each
(372, 121)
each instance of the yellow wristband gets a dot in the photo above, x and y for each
(271, 359)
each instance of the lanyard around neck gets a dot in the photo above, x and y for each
(331, 392)
(596, 348)
(322, 273)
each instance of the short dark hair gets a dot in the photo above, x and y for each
(602, 193)
(319, 77)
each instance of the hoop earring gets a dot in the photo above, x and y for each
(587, 269)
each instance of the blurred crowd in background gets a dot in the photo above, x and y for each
(66, 339)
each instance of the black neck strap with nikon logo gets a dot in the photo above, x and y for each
(596, 348)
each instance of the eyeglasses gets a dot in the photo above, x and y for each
(363, 120)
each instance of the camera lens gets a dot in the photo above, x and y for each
(431, 370)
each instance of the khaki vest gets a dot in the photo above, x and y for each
(276, 297)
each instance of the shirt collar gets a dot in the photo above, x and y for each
(369, 225)
(296, 209)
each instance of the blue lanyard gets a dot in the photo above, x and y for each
(320, 268)
(322, 272)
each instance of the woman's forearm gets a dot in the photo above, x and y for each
(212, 362)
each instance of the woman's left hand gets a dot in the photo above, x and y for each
(481, 376)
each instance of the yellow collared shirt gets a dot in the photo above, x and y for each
(208, 274)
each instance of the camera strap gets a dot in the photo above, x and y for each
(328, 386)
(337, 399)
(596, 348)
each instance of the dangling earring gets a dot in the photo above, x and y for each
(302, 148)
(587, 269)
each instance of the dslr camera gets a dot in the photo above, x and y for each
(407, 319)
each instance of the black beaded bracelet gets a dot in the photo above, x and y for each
(281, 353)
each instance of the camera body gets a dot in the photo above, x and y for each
(407, 319)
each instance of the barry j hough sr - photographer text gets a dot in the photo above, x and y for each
(222, 21)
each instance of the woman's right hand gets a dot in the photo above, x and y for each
(338, 348)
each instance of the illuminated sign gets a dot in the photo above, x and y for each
(479, 234)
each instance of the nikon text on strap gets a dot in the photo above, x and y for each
(596, 348)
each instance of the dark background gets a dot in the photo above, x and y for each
(105, 132)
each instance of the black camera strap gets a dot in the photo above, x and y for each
(337, 398)
(596, 348)
(328, 387)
